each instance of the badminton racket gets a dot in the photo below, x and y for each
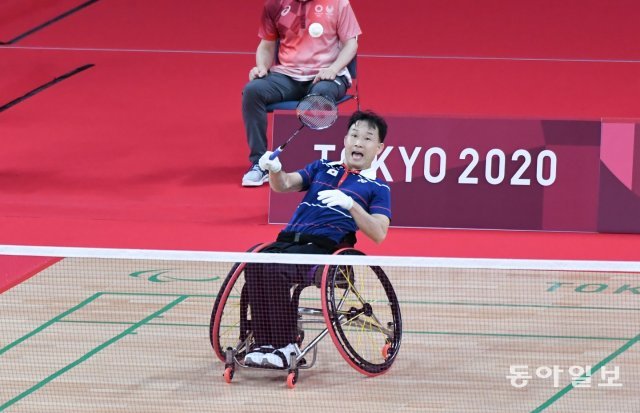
(316, 112)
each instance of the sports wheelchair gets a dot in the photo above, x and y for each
(359, 310)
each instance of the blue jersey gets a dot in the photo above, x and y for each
(313, 217)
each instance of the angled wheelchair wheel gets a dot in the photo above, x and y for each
(362, 314)
(229, 326)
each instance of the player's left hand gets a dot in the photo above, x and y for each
(335, 197)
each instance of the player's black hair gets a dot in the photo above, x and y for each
(372, 119)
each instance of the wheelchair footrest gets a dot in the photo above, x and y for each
(266, 366)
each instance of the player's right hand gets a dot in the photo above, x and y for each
(257, 73)
(271, 165)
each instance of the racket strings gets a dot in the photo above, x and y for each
(317, 112)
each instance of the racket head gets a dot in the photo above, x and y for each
(317, 112)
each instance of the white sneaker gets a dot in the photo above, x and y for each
(281, 358)
(255, 176)
(255, 357)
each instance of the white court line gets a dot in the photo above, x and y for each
(91, 49)
(382, 261)
(376, 56)
(514, 59)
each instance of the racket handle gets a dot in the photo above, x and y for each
(275, 153)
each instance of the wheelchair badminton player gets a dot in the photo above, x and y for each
(341, 198)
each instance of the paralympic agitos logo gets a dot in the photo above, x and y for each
(167, 275)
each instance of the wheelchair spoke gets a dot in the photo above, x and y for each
(356, 293)
(358, 323)
(364, 303)
(228, 328)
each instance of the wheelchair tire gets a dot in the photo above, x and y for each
(362, 314)
(225, 325)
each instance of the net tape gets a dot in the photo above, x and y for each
(212, 256)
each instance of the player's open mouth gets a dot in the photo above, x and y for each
(357, 155)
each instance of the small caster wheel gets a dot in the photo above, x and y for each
(228, 374)
(292, 379)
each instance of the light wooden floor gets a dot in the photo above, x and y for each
(106, 336)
